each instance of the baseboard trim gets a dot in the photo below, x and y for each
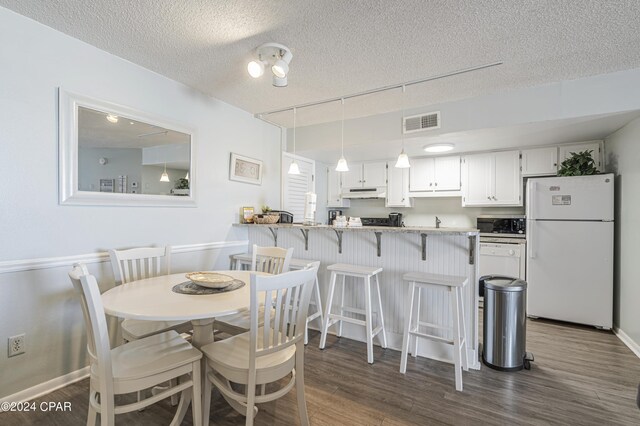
(628, 341)
(46, 387)
(21, 265)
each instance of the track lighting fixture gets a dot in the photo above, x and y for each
(277, 56)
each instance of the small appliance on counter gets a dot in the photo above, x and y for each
(333, 214)
(393, 220)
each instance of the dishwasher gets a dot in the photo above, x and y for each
(502, 246)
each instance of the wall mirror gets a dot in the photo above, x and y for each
(115, 155)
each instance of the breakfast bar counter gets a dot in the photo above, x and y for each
(449, 251)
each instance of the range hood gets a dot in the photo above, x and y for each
(364, 193)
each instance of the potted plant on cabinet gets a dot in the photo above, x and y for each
(579, 164)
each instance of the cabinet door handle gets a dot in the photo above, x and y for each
(488, 198)
(495, 199)
(430, 183)
(436, 184)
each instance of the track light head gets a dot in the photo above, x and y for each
(280, 68)
(255, 68)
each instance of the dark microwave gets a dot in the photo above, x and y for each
(513, 225)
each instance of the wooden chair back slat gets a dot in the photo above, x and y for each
(272, 260)
(140, 263)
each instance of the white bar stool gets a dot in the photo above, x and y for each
(454, 286)
(243, 261)
(356, 271)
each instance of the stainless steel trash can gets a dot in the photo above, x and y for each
(504, 326)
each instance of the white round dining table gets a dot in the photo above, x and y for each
(153, 299)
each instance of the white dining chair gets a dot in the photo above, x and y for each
(136, 264)
(133, 366)
(272, 260)
(264, 354)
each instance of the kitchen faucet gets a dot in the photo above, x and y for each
(438, 222)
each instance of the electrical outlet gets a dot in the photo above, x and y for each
(16, 345)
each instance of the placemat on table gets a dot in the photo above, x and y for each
(189, 287)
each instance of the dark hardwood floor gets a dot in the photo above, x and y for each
(581, 376)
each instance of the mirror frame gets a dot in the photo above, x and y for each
(68, 191)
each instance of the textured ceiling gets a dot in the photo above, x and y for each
(342, 47)
(541, 133)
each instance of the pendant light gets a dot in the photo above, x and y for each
(403, 158)
(342, 163)
(293, 167)
(165, 176)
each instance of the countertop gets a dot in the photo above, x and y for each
(405, 229)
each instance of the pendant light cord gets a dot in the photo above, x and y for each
(342, 129)
(402, 118)
(294, 132)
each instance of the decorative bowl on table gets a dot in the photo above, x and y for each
(210, 279)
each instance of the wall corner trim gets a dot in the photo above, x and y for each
(634, 346)
(46, 387)
(21, 265)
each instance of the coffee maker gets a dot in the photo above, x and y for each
(332, 215)
(395, 220)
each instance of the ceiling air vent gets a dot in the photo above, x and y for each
(417, 123)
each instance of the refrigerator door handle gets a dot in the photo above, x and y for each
(533, 188)
(531, 225)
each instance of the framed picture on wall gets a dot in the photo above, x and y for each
(245, 169)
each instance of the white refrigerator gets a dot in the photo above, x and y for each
(570, 249)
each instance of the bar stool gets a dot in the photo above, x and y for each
(454, 286)
(356, 271)
(243, 261)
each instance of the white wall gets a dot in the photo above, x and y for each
(36, 60)
(623, 149)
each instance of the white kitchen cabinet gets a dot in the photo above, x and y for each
(397, 187)
(435, 174)
(492, 179)
(334, 189)
(374, 175)
(540, 161)
(595, 147)
(364, 175)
